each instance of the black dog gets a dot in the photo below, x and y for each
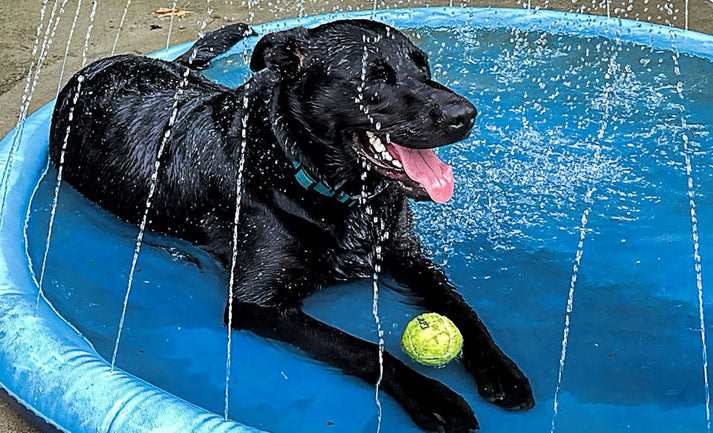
(327, 103)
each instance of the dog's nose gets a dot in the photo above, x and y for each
(460, 115)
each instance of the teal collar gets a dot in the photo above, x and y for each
(309, 183)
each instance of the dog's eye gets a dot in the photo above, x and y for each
(381, 72)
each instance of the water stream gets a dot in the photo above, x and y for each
(604, 107)
(152, 187)
(687, 153)
(699, 274)
(66, 48)
(233, 259)
(88, 34)
(170, 25)
(570, 304)
(60, 167)
(55, 196)
(236, 225)
(378, 231)
(380, 236)
(121, 25)
(33, 74)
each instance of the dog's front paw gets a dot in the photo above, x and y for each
(434, 407)
(501, 382)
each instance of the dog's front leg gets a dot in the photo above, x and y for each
(432, 405)
(499, 380)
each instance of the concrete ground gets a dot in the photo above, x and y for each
(143, 32)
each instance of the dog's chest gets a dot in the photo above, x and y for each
(360, 243)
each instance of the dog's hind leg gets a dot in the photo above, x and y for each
(431, 404)
(214, 44)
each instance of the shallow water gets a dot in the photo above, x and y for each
(508, 240)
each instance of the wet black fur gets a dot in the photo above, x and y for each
(303, 105)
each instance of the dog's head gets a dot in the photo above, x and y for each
(359, 91)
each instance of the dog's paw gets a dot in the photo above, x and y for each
(502, 383)
(436, 408)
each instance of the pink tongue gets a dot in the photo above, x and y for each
(423, 166)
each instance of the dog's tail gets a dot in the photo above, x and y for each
(214, 44)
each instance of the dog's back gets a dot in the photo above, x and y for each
(106, 139)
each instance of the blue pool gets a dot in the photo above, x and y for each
(591, 151)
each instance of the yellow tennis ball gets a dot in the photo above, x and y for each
(432, 339)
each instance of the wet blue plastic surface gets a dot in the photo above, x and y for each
(559, 115)
(47, 366)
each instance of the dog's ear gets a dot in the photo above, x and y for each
(283, 52)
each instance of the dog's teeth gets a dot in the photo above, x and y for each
(387, 156)
(370, 135)
(379, 146)
(397, 163)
